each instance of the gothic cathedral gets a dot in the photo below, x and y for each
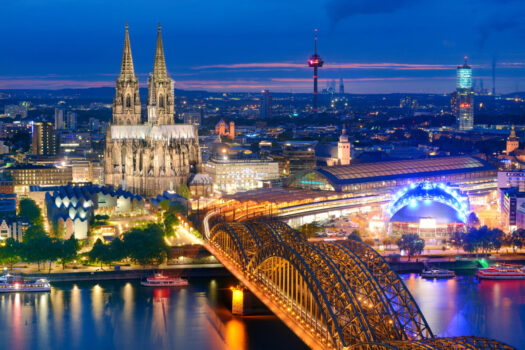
(148, 158)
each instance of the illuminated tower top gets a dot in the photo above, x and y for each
(464, 76)
(315, 60)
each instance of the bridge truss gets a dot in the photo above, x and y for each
(340, 295)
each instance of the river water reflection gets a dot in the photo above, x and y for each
(124, 315)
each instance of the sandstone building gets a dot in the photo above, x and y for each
(148, 157)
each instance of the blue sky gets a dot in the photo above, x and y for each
(241, 45)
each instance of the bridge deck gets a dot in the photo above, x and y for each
(308, 338)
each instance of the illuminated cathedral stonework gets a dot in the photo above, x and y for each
(148, 158)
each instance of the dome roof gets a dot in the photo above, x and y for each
(429, 200)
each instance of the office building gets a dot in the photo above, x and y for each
(71, 120)
(44, 139)
(26, 175)
(265, 111)
(60, 115)
(465, 97)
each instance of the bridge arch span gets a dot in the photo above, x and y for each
(225, 236)
(309, 285)
(340, 295)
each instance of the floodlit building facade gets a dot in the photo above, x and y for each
(148, 158)
(234, 175)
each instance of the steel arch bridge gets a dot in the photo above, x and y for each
(333, 295)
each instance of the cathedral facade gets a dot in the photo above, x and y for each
(148, 157)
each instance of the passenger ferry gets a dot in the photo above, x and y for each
(502, 272)
(10, 283)
(160, 280)
(437, 273)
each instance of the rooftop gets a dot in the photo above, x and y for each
(377, 171)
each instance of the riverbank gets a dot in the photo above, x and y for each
(133, 272)
(196, 270)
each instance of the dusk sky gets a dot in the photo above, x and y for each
(376, 46)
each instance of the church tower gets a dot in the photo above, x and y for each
(126, 103)
(343, 149)
(160, 90)
(513, 142)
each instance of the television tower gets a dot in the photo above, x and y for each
(316, 62)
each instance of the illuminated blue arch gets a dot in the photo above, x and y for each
(430, 192)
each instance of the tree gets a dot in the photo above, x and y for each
(184, 191)
(10, 252)
(411, 243)
(146, 246)
(38, 246)
(100, 253)
(30, 210)
(355, 235)
(456, 239)
(117, 250)
(387, 242)
(472, 220)
(68, 250)
(484, 239)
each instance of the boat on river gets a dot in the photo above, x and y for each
(437, 273)
(11, 283)
(160, 280)
(502, 272)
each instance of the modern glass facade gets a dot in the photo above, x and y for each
(465, 98)
(464, 78)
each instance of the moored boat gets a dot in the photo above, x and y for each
(437, 273)
(9, 283)
(160, 280)
(502, 272)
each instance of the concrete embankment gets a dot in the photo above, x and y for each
(418, 266)
(204, 270)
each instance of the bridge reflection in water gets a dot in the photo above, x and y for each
(333, 295)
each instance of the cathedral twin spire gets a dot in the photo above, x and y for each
(126, 105)
(159, 67)
(126, 69)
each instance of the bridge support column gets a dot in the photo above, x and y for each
(238, 300)
(244, 302)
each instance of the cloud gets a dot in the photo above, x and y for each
(286, 65)
(29, 83)
(340, 9)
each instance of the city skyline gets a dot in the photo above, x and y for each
(207, 50)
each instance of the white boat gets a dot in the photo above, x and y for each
(160, 280)
(437, 273)
(9, 283)
(502, 272)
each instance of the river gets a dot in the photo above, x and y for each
(124, 315)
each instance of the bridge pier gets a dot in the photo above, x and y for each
(245, 302)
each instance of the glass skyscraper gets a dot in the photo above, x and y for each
(465, 97)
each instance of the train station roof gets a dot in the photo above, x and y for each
(389, 170)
